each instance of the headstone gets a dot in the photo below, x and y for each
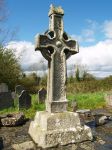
(13, 95)
(1, 143)
(24, 100)
(6, 100)
(19, 89)
(3, 87)
(74, 106)
(57, 126)
(108, 99)
(42, 95)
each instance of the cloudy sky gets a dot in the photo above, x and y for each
(87, 21)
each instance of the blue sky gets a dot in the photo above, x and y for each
(31, 16)
(88, 21)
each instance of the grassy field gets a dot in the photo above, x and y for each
(87, 100)
(84, 100)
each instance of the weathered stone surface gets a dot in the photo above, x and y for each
(108, 99)
(83, 111)
(100, 120)
(13, 119)
(58, 128)
(24, 100)
(6, 100)
(57, 106)
(29, 145)
(85, 114)
(101, 116)
(3, 87)
(1, 143)
(74, 106)
(86, 146)
(19, 89)
(13, 95)
(56, 46)
(42, 95)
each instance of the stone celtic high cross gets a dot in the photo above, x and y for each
(57, 126)
(56, 46)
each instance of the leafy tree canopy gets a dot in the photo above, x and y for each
(10, 70)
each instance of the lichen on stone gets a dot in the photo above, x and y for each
(56, 10)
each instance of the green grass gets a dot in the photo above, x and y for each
(30, 113)
(84, 101)
(87, 100)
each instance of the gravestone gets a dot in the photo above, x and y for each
(19, 89)
(74, 106)
(42, 95)
(57, 126)
(6, 100)
(3, 87)
(1, 143)
(24, 100)
(108, 99)
(13, 95)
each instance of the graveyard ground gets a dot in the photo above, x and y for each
(84, 101)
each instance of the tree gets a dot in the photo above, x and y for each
(6, 34)
(77, 74)
(10, 70)
(81, 74)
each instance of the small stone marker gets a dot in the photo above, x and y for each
(24, 100)
(108, 99)
(1, 143)
(13, 95)
(3, 87)
(14, 119)
(84, 114)
(6, 100)
(19, 89)
(74, 106)
(42, 95)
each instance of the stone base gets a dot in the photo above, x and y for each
(52, 129)
(29, 145)
(56, 106)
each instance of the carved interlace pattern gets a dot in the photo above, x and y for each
(59, 76)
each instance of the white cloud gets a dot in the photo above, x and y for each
(88, 34)
(26, 51)
(107, 28)
(97, 58)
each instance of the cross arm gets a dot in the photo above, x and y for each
(71, 48)
(42, 44)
